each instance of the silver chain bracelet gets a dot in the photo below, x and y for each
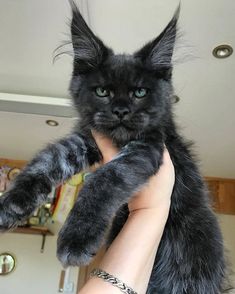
(111, 279)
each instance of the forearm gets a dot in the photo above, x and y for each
(50, 167)
(131, 255)
(60, 160)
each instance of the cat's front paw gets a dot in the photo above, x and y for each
(15, 207)
(8, 218)
(78, 242)
(7, 221)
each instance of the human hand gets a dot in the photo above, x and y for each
(106, 147)
(142, 232)
(157, 191)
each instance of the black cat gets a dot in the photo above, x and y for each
(127, 98)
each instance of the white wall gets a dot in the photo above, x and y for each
(35, 272)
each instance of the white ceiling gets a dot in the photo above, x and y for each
(30, 30)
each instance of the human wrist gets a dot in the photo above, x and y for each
(150, 201)
(160, 210)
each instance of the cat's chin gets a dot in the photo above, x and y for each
(122, 135)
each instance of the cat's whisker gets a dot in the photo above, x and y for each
(64, 49)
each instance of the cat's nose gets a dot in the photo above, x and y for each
(120, 112)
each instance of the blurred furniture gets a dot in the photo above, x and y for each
(222, 192)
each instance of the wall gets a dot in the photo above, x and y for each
(35, 272)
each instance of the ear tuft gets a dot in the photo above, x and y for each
(158, 53)
(89, 50)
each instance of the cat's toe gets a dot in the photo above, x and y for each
(1, 218)
(76, 248)
(6, 220)
(13, 210)
(70, 257)
(3, 223)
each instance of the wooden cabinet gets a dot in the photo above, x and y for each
(223, 194)
(12, 162)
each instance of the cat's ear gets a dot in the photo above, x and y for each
(89, 50)
(158, 53)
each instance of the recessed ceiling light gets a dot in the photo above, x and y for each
(222, 51)
(175, 99)
(52, 123)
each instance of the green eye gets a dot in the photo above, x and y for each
(140, 92)
(102, 92)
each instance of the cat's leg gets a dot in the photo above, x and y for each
(56, 163)
(102, 195)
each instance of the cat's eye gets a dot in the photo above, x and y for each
(140, 92)
(102, 92)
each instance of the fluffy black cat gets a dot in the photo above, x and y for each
(127, 98)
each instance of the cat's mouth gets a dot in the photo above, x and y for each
(121, 131)
(126, 128)
(122, 125)
(102, 120)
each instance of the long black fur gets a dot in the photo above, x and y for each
(190, 258)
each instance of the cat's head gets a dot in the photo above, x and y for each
(121, 95)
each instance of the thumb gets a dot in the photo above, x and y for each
(105, 145)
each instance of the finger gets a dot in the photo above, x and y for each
(166, 154)
(167, 164)
(105, 146)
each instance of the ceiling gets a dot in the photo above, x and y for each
(31, 30)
